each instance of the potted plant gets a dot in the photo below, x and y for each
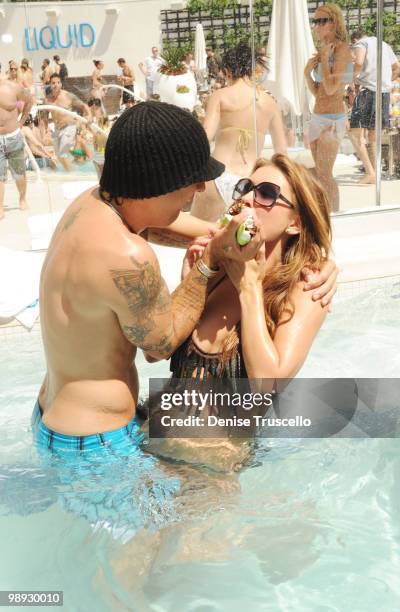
(176, 84)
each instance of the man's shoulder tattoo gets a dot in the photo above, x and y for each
(140, 284)
(71, 218)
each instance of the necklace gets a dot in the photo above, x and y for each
(109, 202)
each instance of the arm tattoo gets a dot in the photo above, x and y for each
(139, 286)
(148, 297)
(71, 218)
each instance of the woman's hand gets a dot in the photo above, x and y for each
(311, 64)
(322, 282)
(325, 51)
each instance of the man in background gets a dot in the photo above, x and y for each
(64, 135)
(126, 79)
(14, 101)
(149, 68)
(213, 67)
(60, 68)
(362, 120)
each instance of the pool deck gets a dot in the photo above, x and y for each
(357, 238)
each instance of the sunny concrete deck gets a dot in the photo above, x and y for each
(49, 196)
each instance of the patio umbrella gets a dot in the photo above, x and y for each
(200, 56)
(290, 45)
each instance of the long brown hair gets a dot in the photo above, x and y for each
(309, 248)
(335, 13)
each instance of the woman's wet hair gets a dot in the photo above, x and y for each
(309, 248)
(238, 61)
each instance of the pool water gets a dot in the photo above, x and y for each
(308, 525)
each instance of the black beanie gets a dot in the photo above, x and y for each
(156, 148)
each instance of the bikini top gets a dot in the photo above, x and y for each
(347, 76)
(190, 362)
(243, 141)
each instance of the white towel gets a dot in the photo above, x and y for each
(19, 280)
(28, 317)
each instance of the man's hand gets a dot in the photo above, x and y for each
(194, 252)
(322, 282)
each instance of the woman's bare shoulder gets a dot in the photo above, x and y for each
(269, 101)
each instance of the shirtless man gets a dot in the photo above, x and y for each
(126, 79)
(101, 292)
(65, 126)
(14, 100)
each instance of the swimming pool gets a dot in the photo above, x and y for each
(310, 525)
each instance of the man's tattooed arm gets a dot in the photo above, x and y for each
(149, 317)
(165, 237)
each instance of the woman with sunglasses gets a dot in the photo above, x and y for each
(258, 315)
(327, 74)
(237, 119)
(259, 322)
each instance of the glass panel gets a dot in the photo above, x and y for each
(390, 145)
(233, 116)
(320, 111)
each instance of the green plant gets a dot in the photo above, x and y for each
(262, 7)
(173, 60)
(215, 8)
(194, 6)
(391, 29)
(353, 4)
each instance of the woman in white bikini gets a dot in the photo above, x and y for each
(238, 117)
(327, 74)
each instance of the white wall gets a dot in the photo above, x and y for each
(130, 34)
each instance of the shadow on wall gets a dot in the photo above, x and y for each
(105, 35)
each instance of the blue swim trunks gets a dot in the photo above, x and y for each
(120, 441)
(106, 478)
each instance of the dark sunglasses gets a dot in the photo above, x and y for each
(321, 21)
(265, 194)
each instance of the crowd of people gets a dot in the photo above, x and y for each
(341, 76)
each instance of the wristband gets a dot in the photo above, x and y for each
(205, 270)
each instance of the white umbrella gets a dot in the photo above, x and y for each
(200, 56)
(290, 45)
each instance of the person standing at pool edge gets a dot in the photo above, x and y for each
(14, 99)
